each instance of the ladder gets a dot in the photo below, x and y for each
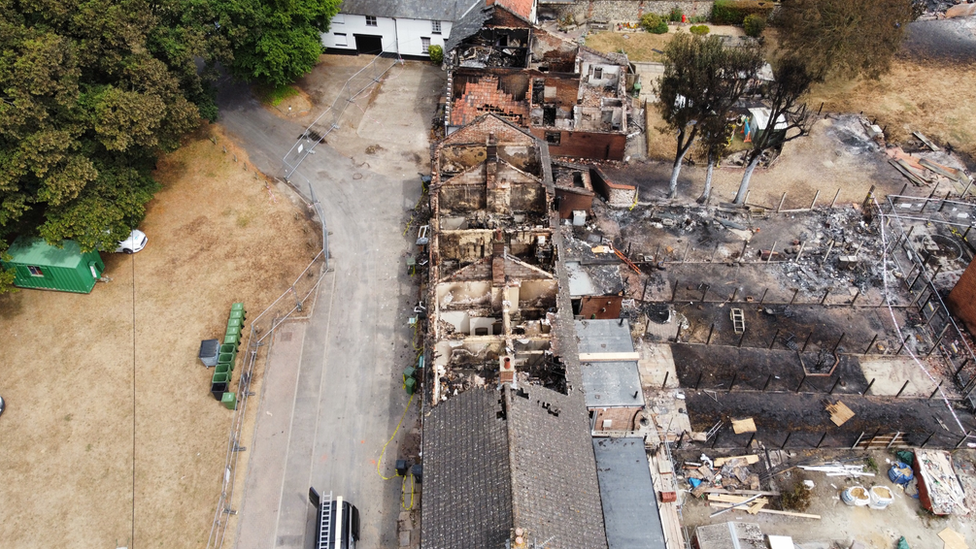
(738, 320)
(325, 523)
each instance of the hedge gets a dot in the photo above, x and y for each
(734, 12)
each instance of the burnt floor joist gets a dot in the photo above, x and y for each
(801, 421)
(727, 368)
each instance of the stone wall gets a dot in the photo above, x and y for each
(616, 11)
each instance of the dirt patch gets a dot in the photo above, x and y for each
(76, 366)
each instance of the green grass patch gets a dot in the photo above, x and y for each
(274, 95)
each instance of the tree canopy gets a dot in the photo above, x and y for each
(844, 37)
(702, 81)
(92, 91)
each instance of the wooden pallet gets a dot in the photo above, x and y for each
(882, 441)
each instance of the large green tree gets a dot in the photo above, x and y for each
(274, 41)
(844, 37)
(92, 91)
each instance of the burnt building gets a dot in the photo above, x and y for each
(507, 456)
(572, 97)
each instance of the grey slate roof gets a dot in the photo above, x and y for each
(629, 504)
(468, 24)
(604, 336)
(484, 476)
(467, 479)
(556, 494)
(439, 10)
(612, 384)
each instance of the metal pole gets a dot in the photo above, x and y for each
(902, 346)
(834, 386)
(734, 375)
(751, 438)
(900, 391)
(711, 329)
(815, 197)
(772, 251)
(822, 437)
(838, 341)
(665, 384)
(857, 295)
(698, 381)
(834, 201)
(788, 435)
(792, 299)
(826, 293)
(773, 342)
(801, 382)
(870, 345)
(768, 379)
(937, 387)
(646, 282)
(826, 255)
(677, 336)
(704, 292)
(805, 343)
(674, 292)
(866, 389)
(799, 252)
(781, 200)
(858, 441)
(761, 299)
(742, 338)
(734, 292)
(926, 441)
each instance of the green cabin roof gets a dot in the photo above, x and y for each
(35, 251)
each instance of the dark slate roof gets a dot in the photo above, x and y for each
(612, 384)
(439, 10)
(556, 496)
(604, 336)
(629, 506)
(468, 24)
(467, 479)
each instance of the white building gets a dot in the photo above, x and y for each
(405, 27)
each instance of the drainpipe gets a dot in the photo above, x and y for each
(396, 36)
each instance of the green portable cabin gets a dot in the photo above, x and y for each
(45, 267)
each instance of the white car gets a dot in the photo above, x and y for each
(137, 241)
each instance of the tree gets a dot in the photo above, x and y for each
(274, 41)
(844, 37)
(792, 80)
(702, 81)
(86, 104)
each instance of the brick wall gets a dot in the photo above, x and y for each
(617, 195)
(962, 298)
(569, 201)
(621, 418)
(591, 145)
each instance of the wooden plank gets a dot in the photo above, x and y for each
(756, 507)
(839, 413)
(770, 511)
(740, 426)
(745, 492)
(953, 539)
(911, 177)
(729, 498)
(608, 357)
(916, 171)
(927, 141)
(749, 459)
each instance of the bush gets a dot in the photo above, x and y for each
(797, 499)
(734, 12)
(436, 54)
(754, 25)
(699, 30)
(675, 15)
(654, 24)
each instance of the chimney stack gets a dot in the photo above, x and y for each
(506, 370)
(491, 149)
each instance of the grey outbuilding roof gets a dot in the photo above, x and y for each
(604, 336)
(630, 510)
(610, 384)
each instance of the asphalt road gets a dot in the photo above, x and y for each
(332, 394)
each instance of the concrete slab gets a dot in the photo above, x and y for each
(890, 373)
(655, 364)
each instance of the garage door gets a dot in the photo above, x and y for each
(369, 43)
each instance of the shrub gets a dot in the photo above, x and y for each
(436, 54)
(754, 25)
(675, 15)
(734, 12)
(654, 24)
(797, 499)
(699, 30)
